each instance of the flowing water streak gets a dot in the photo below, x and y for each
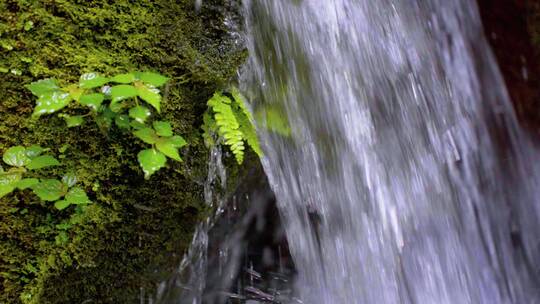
(405, 178)
(187, 285)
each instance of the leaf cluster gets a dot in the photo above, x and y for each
(125, 100)
(22, 175)
(229, 119)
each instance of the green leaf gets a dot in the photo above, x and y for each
(122, 121)
(69, 179)
(167, 147)
(27, 183)
(92, 100)
(42, 162)
(124, 78)
(51, 102)
(177, 141)
(73, 121)
(16, 156)
(147, 135)
(163, 128)
(151, 161)
(77, 196)
(92, 80)
(121, 92)
(139, 113)
(8, 182)
(137, 125)
(150, 95)
(61, 204)
(42, 87)
(152, 78)
(117, 106)
(49, 189)
(33, 151)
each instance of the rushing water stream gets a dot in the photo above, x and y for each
(391, 145)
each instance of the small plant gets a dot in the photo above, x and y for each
(128, 102)
(21, 176)
(230, 120)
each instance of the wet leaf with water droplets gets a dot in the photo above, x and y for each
(92, 100)
(139, 113)
(121, 92)
(16, 156)
(150, 95)
(51, 102)
(151, 161)
(167, 146)
(92, 80)
(69, 179)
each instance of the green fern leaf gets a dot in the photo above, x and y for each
(227, 125)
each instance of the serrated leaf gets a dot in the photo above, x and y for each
(69, 179)
(154, 79)
(27, 183)
(74, 121)
(42, 162)
(16, 156)
(151, 161)
(121, 92)
(165, 146)
(92, 100)
(61, 204)
(139, 113)
(151, 95)
(49, 189)
(122, 121)
(77, 196)
(92, 80)
(147, 135)
(43, 86)
(33, 151)
(163, 128)
(51, 102)
(124, 78)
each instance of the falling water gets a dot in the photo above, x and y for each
(393, 150)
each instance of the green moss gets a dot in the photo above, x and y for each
(137, 229)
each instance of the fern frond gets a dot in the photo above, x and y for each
(227, 125)
(248, 130)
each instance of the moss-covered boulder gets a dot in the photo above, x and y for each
(136, 229)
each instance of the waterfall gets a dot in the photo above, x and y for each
(390, 142)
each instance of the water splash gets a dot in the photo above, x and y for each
(405, 178)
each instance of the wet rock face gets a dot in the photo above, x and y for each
(513, 30)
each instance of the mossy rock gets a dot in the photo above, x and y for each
(136, 230)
